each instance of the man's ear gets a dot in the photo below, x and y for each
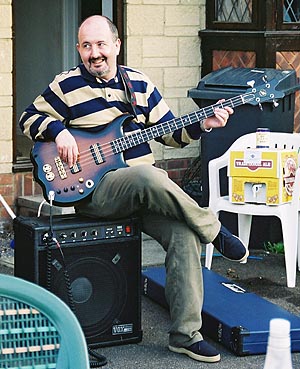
(118, 46)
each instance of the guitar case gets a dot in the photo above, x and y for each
(232, 316)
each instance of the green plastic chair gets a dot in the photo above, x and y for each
(37, 329)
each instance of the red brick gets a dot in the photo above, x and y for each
(176, 163)
(27, 185)
(6, 190)
(5, 217)
(6, 179)
(37, 189)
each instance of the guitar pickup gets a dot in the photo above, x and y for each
(97, 153)
(76, 168)
(60, 167)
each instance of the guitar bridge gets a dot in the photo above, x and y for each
(97, 153)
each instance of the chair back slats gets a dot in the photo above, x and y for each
(28, 339)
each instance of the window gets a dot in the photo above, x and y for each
(291, 11)
(237, 11)
(289, 15)
(232, 14)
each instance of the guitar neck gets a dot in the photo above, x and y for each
(158, 130)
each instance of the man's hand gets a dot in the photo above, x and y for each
(219, 119)
(67, 147)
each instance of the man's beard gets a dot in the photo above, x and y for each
(100, 73)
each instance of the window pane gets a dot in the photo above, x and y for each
(237, 11)
(291, 11)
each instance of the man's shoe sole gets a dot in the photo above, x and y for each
(206, 359)
(238, 260)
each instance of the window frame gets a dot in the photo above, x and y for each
(216, 25)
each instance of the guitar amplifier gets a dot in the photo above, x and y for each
(232, 316)
(94, 265)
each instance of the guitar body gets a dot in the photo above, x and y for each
(96, 159)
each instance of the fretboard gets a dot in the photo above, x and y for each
(161, 129)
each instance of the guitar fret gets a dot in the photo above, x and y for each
(138, 137)
(126, 143)
(116, 146)
(157, 130)
(197, 117)
(121, 144)
(148, 137)
(209, 111)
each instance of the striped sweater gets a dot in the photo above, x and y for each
(77, 99)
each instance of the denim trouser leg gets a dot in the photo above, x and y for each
(184, 289)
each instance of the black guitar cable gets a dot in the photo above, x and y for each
(50, 240)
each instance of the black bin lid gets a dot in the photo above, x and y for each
(228, 82)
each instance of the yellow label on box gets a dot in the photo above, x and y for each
(259, 163)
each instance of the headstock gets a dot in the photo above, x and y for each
(264, 92)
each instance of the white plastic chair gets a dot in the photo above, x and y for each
(287, 213)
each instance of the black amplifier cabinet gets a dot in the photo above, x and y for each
(98, 262)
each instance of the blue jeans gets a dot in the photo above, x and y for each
(177, 222)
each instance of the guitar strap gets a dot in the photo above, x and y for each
(129, 87)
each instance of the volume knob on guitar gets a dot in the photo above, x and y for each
(47, 168)
(50, 176)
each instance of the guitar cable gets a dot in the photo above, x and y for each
(50, 240)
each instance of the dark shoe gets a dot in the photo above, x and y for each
(200, 351)
(230, 246)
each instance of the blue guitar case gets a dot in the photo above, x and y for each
(232, 316)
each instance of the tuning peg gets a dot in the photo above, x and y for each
(275, 103)
(260, 107)
(251, 83)
(265, 78)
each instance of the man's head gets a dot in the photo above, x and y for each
(98, 46)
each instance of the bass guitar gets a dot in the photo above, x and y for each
(102, 152)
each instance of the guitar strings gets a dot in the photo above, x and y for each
(132, 139)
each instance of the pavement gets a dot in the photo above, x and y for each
(263, 274)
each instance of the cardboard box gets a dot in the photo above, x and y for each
(262, 176)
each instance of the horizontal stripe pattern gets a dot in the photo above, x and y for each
(77, 99)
